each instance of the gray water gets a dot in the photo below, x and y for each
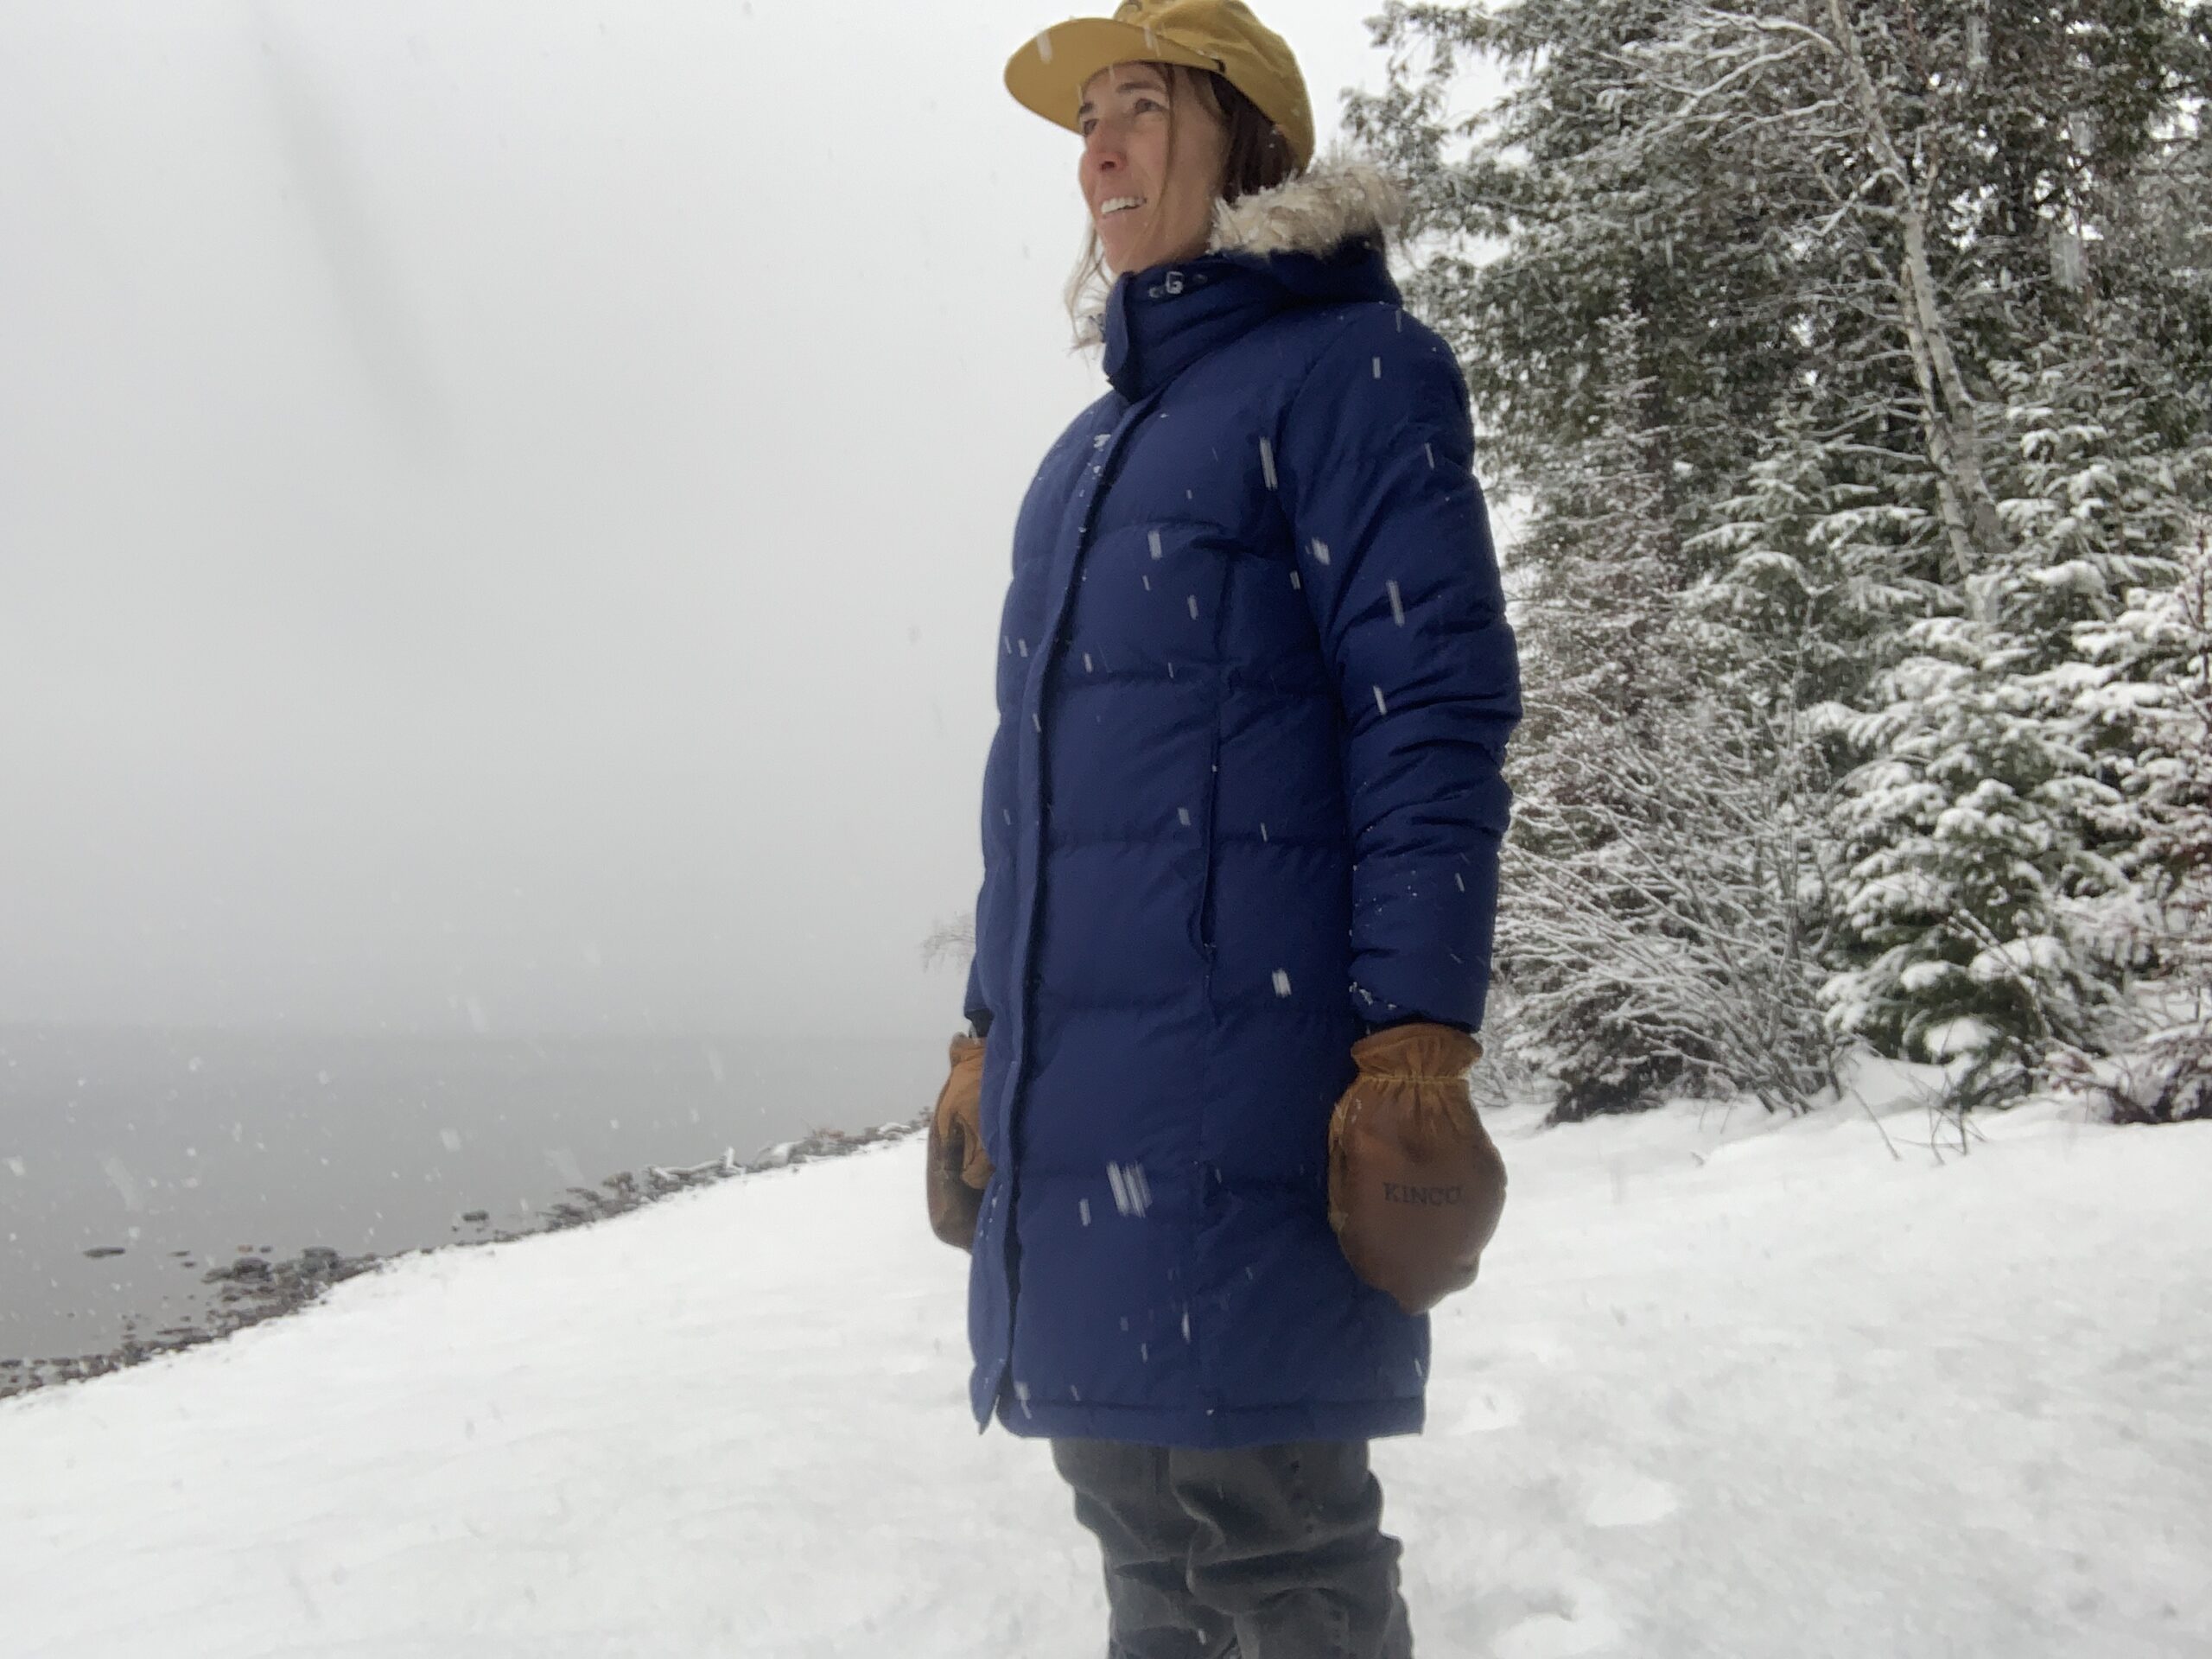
(180, 1149)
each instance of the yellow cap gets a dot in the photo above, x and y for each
(1049, 73)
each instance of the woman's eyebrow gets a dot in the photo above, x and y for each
(1083, 108)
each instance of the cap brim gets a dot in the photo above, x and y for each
(1049, 73)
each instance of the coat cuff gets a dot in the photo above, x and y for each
(1368, 1027)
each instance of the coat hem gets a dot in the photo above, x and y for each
(1217, 1430)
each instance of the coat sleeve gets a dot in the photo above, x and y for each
(1376, 477)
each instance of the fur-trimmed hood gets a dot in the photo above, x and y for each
(1339, 199)
(1320, 238)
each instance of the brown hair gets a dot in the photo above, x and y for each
(1258, 158)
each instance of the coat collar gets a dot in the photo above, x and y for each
(1316, 240)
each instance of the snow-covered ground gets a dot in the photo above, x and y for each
(1758, 1389)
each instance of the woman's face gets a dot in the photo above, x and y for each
(1151, 206)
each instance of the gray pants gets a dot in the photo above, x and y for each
(1272, 1551)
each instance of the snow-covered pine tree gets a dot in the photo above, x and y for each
(1980, 822)
(1963, 848)
(1895, 265)
(1979, 825)
(2142, 682)
(2146, 686)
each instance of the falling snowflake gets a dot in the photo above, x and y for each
(1380, 707)
(1397, 605)
(1320, 551)
(126, 1186)
(1132, 1192)
(1268, 462)
(1282, 982)
(1153, 537)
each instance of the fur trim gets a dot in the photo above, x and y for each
(1335, 201)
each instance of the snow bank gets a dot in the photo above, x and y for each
(1744, 1390)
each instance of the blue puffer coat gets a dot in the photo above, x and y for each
(1254, 686)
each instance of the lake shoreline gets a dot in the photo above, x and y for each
(255, 1289)
(133, 1161)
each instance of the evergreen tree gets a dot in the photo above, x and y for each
(1917, 300)
(2147, 687)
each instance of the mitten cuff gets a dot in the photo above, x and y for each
(1417, 1051)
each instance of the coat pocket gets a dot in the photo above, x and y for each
(1209, 846)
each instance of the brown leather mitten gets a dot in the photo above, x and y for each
(959, 1168)
(1415, 1187)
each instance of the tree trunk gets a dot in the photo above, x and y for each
(1969, 510)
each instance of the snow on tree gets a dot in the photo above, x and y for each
(2147, 687)
(1655, 940)
(1846, 358)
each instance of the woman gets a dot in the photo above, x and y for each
(1209, 1136)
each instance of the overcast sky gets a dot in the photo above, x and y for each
(504, 506)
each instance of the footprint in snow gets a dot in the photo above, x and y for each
(1490, 1410)
(1622, 1499)
(1537, 1344)
(1565, 1624)
(1555, 1636)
